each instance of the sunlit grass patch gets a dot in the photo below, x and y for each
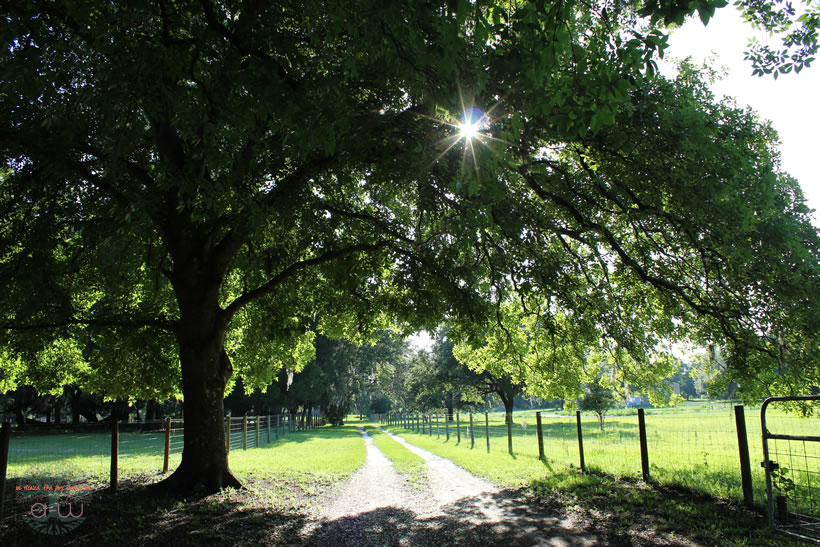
(499, 467)
(331, 452)
(410, 465)
(301, 465)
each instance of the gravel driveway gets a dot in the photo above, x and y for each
(376, 506)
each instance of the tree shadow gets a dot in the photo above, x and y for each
(133, 517)
(490, 519)
(627, 511)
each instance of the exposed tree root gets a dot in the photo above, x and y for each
(188, 483)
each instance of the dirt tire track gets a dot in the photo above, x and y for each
(376, 506)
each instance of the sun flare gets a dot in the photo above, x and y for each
(471, 124)
(468, 130)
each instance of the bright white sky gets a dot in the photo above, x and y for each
(790, 102)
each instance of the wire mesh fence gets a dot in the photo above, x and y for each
(698, 447)
(791, 464)
(72, 461)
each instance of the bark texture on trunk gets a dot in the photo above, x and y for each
(206, 369)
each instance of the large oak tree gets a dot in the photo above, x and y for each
(187, 185)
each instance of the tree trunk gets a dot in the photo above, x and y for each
(158, 406)
(58, 410)
(19, 415)
(508, 408)
(206, 369)
(19, 406)
(73, 393)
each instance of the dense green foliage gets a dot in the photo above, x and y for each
(340, 376)
(437, 380)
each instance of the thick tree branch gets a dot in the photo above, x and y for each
(280, 278)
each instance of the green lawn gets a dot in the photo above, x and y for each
(82, 455)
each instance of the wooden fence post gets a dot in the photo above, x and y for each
(458, 428)
(644, 448)
(447, 426)
(743, 448)
(580, 441)
(540, 436)
(487, 429)
(5, 436)
(508, 419)
(438, 428)
(227, 434)
(267, 426)
(245, 432)
(472, 433)
(115, 444)
(257, 431)
(167, 445)
(278, 426)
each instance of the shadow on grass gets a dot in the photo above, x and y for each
(133, 517)
(627, 508)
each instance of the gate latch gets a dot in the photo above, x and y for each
(769, 465)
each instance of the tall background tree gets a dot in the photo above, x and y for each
(187, 185)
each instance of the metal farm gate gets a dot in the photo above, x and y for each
(792, 464)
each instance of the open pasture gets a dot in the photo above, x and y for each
(695, 446)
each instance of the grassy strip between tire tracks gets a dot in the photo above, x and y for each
(408, 464)
(613, 506)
